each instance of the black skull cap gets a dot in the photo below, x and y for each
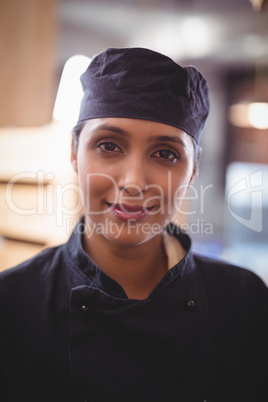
(143, 84)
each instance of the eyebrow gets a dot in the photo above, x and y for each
(125, 133)
(168, 138)
(110, 127)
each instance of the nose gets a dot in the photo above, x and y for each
(133, 177)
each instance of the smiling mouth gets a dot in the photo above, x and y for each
(129, 212)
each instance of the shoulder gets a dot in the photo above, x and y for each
(217, 273)
(219, 270)
(219, 277)
(40, 266)
(229, 284)
(33, 286)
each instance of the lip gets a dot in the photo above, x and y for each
(126, 212)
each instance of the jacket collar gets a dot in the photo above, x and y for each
(91, 274)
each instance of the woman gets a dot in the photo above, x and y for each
(124, 311)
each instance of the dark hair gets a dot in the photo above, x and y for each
(79, 127)
(76, 133)
(197, 153)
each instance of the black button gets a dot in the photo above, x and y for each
(190, 305)
(85, 399)
(84, 308)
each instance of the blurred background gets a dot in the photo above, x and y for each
(226, 212)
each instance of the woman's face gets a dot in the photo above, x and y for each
(133, 175)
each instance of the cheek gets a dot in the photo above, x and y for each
(96, 184)
(179, 195)
(176, 187)
(97, 189)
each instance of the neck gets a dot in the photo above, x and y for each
(137, 268)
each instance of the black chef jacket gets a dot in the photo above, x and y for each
(69, 332)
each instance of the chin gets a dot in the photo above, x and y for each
(128, 233)
(127, 240)
(124, 239)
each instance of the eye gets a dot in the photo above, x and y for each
(166, 154)
(109, 146)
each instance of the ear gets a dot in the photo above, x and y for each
(194, 175)
(74, 155)
(196, 167)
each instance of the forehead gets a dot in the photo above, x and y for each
(137, 129)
